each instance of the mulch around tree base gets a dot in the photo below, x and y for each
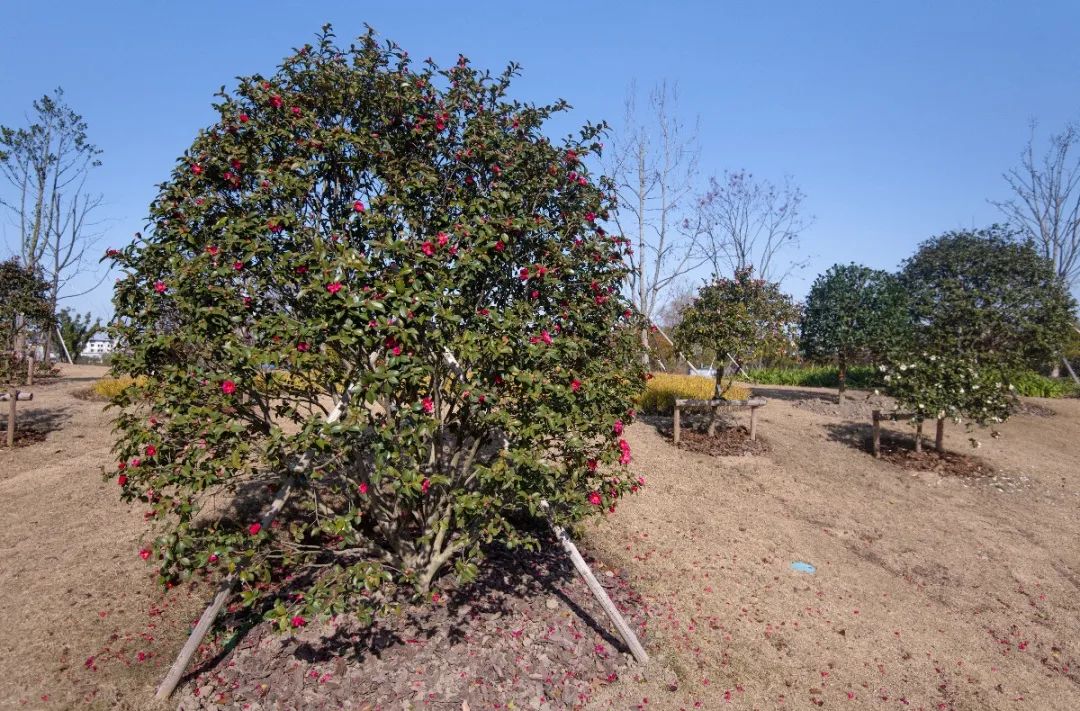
(727, 442)
(527, 634)
(930, 460)
(23, 437)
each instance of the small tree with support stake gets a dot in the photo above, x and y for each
(402, 239)
(24, 305)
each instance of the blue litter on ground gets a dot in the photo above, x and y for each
(801, 567)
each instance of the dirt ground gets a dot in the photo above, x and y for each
(930, 591)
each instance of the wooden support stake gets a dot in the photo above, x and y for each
(598, 591)
(939, 436)
(877, 434)
(206, 620)
(676, 422)
(30, 370)
(13, 400)
(918, 437)
(1068, 367)
(753, 423)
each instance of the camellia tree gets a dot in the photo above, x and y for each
(24, 307)
(983, 307)
(852, 314)
(403, 241)
(742, 318)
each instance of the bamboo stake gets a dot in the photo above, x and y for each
(206, 620)
(597, 590)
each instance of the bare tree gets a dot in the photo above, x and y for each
(47, 165)
(1046, 202)
(654, 167)
(751, 223)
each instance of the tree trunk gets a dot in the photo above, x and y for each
(841, 376)
(1055, 370)
(918, 437)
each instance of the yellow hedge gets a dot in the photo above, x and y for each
(109, 387)
(664, 389)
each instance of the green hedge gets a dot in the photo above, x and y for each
(866, 377)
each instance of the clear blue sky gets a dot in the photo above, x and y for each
(896, 119)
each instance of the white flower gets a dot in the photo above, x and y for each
(933, 358)
(882, 368)
(902, 367)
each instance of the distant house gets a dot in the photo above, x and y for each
(97, 347)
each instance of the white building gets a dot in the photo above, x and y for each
(98, 346)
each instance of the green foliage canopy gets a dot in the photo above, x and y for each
(407, 236)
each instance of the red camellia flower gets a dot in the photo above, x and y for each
(524, 274)
(135, 462)
(443, 239)
(144, 554)
(121, 480)
(499, 246)
(618, 428)
(151, 450)
(296, 111)
(298, 621)
(575, 385)
(594, 498)
(334, 287)
(428, 404)
(427, 248)
(228, 387)
(274, 227)
(275, 101)
(590, 217)
(243, 118)
(303, 347)
(363, 488)
(358, 206)
(425, 485)
(545, 337)
(121, 466)
(592, 464)
(196, 169)
(213, 558)
(212, 250)
(159, 286)
(238, 265)
(254, 529)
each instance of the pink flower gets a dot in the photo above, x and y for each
(425, 485)
(427, 248)
(275, 101)
(135, 462)
(196, 169)
(545, 337)
(443, 239)
(303, 346)
(428, 404)
(145, 554)
(213, 558)
(151, 450)
(122, 479)
(298, 621)
(499, 246)
(436, 597)
(590, 217)
(295, 111)
(159, 286)
(618, 428)
(358, 206)
(363, 488)
(238, 265)
(594, 498)
(254, 529)
(575, 385)
(228, 387)
(334, 287)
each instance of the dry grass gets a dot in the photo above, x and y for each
(663, 389)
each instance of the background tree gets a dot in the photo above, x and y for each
(654, 165)
(1046, 203)
(24, 305)
(749, 223)
(77, 330)
(851, 314)
(744, 318)
(408, 239)
(47, 165)
(984, 295)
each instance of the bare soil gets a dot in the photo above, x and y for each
(932, 590)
